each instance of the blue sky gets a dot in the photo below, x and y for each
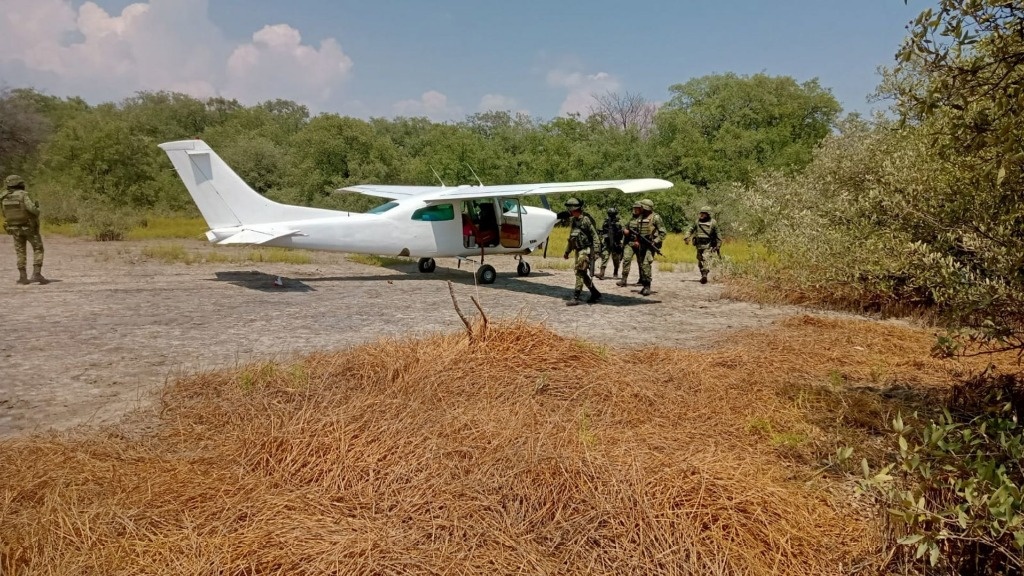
(443, 59)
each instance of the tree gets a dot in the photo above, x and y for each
(625, 111)
(747, 125)
(23, 128)
(972, 57)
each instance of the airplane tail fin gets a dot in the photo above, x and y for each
(223, 198)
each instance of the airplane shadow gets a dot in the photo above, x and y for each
(255, 280)
(610, 294)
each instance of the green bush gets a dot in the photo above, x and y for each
(955, 488)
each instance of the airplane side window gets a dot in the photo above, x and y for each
(435, 213)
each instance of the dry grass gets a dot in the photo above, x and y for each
(531, 453)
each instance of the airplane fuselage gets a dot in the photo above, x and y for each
(401, 230)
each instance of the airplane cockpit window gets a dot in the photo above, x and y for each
(382, 208)
(435, 213)
(510, 205)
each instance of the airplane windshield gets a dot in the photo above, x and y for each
(382, 208)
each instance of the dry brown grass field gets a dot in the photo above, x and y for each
(520, 452)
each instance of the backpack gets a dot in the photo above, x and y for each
(14, 209)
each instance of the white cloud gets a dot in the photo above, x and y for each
(581, 89)
(277, 65)
(159, 45)
(432, 104)
(500, 103)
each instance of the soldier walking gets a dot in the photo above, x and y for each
(645, 233)
(627, 247)
(582, 240)
(21, 220)
(705, 237)
(611, 243)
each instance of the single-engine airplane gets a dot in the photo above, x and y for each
(424, 222)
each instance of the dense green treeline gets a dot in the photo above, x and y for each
(85, 160)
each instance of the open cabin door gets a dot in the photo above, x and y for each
(490, 222)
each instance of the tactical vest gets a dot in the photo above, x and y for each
(580, 239)
(645, 226)
(14, 209)
(703, 233)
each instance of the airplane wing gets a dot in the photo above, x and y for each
(629, 186)
(389, 192)
(254, 235)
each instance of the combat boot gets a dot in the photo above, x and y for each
(574, 300)
(621, 282)
(600, 274)
(615, 273)
(22, 276)
(646, 290)
(595, 296)
(37, 275)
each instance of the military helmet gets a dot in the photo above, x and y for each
(706, 209)
(13, 181)
(637, 205)
(572, 203)
(647, 204)
(613, 211)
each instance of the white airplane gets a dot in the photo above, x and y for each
(424, 222)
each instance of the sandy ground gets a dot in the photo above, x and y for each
(114, 326)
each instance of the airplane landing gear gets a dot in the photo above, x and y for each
(486, 274)
(426, 265)
(523, 269)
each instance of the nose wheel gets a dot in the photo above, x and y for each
(523, 269)
(426, 265)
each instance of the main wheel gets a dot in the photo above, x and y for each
(486, 274)
(426, 265)
(523, 269)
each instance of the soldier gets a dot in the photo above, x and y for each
(582, 240)
(21, 220)
(611, 243)
(705, 237)
(644, 231)
(627, 247)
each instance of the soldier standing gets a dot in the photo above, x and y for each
(611, 243)
(21, 220)
(705, 237)
(645, 232)
(582, 240)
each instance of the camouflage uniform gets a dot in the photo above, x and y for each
(705, 237)
(21, 221)
(611, 243)
(650, 226)
(627, 247)
(582, 240)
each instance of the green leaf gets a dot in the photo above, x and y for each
(912, 539)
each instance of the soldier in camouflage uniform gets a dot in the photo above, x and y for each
(705, 237)
(21, 220)
(645, 226)
(582, 240)
(627, 248)
(611, 243)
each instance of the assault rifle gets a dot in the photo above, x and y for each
(643, 240)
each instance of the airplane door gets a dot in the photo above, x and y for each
(488, 222)
(511, 223)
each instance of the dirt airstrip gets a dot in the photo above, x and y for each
(114, 324)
